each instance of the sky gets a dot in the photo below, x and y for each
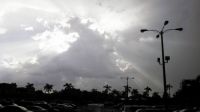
(90, 43)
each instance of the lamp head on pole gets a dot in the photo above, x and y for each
(158, 60)
(166, 22)
(179, 29)
(143, 30)
(157, 36)
(167, 58)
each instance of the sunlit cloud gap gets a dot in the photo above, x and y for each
(72, 41)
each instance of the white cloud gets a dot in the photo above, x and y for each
(45, 5)
(10, 62)
(30, 28)
(3, 30)
(89, 58)
(104, 45)
(122, 64)
(26, 27)
(17, 63)
(146, 39)
(34, 60)
(55, 41)
(39, 20)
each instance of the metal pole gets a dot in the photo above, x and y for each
(127, 87)
(160, 33)
(164, 72)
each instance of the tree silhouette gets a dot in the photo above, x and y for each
(156, 98)
(48, 88)
(115, 93)
(125, 93)
(135, 92)
(125, 89)
(68, 86)
(7, 90)
(156, 95)
(188, 94)
(147, 91)
(107, 88)
(94, 90)
(30, 87)
(189, 91)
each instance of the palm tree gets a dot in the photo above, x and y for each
(156, 95)
(107, 88)
(30, 87)
(147, 91)
(129, 88)
(135, 92)
(115, 93)
(156, 98)
(68, 86)
(94, 90)
(48, 88)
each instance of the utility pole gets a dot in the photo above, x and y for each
(165, 59)
(127, 85)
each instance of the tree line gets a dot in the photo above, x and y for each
(188, 94)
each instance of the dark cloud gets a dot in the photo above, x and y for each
(87, 58)
(90, 61)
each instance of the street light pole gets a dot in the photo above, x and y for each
(165, 59)
(164, 71)
(127, 86)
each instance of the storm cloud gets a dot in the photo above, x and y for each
(95, 42)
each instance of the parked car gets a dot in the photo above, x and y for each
(1, 106)
(43, 105)
(14, 108)
(133, 108)
(37, 109)
(151, 110)
(64, 108)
